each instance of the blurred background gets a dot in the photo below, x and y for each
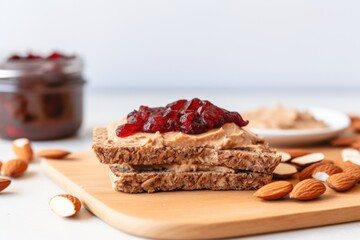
(259, 44)
(239, 54)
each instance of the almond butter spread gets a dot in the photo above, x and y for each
(279, 117)
(229, 136)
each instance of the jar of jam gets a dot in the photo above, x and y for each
(41, 98)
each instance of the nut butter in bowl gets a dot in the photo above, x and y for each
(41, 97)
(291, 126)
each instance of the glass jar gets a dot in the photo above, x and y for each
(41, 99)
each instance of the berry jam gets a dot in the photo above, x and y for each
(191, 117)
(34, 57)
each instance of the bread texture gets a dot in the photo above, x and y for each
(263, 161)
(138, 169)
(132, 182)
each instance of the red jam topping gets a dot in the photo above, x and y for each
(32, 57)
(190, 117)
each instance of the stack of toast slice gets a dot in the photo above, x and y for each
(136, 169)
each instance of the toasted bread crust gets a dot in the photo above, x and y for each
(170, 181)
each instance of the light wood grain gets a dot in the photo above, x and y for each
(196, 214)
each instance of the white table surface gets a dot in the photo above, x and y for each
(24, 210)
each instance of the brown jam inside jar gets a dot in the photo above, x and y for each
(42, 98)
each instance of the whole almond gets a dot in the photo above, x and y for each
(308, 189)
(53, 153)
(274, 190)
(14, 168)
(4, 183)
(65, 205)
(22, 149)
(297, 152)
(1, 165)
(308, 171)
(353, 171)
(341, 181)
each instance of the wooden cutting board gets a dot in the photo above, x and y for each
(196, 214)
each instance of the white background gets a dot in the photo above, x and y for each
(278, 43)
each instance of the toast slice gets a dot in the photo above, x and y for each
(138, 182)
(260, 160)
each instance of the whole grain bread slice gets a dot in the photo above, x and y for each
(130, 182)
(263, 161)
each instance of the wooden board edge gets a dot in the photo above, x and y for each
(165, 230)
(88, 201)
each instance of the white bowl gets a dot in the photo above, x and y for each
(337, 121)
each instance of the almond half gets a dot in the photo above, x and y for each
(355, 160)
(4, 183)
(308, 189)
(284, 170)
(22, 149)
(65, 205)
(341, 182)
(308, 159)
(284, 156)
(348, 153)
(274, 190)
(308, 171)
(14, 168)
(53, 153)
(322, 172)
